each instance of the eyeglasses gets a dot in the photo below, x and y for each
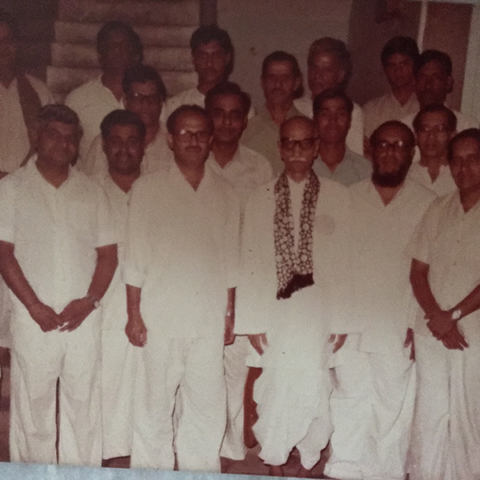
(186, 136)
(290, 143)
(398, 146)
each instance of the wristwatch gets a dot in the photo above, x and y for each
(456, 314)
(93, 300)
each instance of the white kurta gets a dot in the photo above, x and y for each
(118, 354)
(13, 132)
(385, 108)
(446, 433)
(181, 250)
(157, 154)
(373, 402)
(442, 185)
(293, 390)
(355, 134)
(246, 171)
(91, 101)
(55, 233)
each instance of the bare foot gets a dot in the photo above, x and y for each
(275, 471)
(302, 472)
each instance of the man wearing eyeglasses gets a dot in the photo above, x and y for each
(434, 126)
(180, 269)
(332, 112)
(372, 404)
(144, 94)
(292, 296)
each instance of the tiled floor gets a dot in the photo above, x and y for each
(252, 465)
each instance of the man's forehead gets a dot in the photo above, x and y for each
(392, 132)
(227, 100)
(142, 87)
(466, 146)
(433, 66)
(191, 120)
(336, 103)
(279, 67)
(211, 46)
(128, 130)
(299, 128)
(434, 118)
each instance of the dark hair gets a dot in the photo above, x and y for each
(473, 133)
(393, 123)
(207, 33)
(142, 74)
(58, 113)
(183, 109)
(434, 56)
(403, 45)
(281, 56)
(104, 32)
(228, 88)
(121, 117)
(9, 20)
(328, 94)
(338, 49)
(434, 108)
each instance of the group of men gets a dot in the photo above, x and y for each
(183, 252)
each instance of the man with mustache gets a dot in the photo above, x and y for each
(372, 403)
(292, 296)
(281, 84)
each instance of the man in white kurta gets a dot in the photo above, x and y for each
(144, 93)
(228, 106)
(372, 403)
(123, 145)
(118, 48)
(58, 255)
(398, 60)
(445, 277)
(292, 334)
(434, 126)
(181, 249)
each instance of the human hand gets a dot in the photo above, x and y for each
(410, 342)
(75, 313)
(258, 341)
(45, 316)
(136, 330)
(440, 323)
(338, 341)
(453, 339)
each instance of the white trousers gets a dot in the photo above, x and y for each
(118, 373)
(372, 409)
(446, 431)
(195, 367)
(38, 360)
(236, 370)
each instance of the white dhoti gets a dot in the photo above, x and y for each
(292, 393)
(446, 430)
(118, 378)
(195, 367)
(371, 406)
(236, 370)
(38, 360)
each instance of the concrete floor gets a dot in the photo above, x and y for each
(252, 465)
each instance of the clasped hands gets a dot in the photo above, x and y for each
(446, 330)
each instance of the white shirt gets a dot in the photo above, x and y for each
(55, 231)
(157, 154)
(246, 171)
(354, 139)
(181, 250)
(13, 132)
(383, 298)
(448, 240)
(385, 108)
(257, 308)
(92, 101)
(442, 185)
(114, 302)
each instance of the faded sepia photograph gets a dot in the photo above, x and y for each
(240, 237)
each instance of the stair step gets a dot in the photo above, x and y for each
(161, 12)
(62, 81)
(85, 56)
(165, 36)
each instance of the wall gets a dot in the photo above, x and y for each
(258, 28)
